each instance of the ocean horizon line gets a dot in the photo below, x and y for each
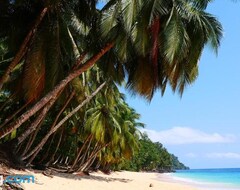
(214, 168)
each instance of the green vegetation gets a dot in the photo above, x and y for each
(152, 157)
(176, 165)
(61, 62)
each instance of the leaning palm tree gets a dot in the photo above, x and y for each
(154, 43)
(113, 125)
(162, 44)
(53, 46)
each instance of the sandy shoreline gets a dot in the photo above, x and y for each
(98, 181)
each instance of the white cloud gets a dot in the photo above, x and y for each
(186, 135)
(226, 155)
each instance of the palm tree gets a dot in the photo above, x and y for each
(92, 83)
(52, 50)
(167, 38)
(154, 43)
(126, 143)
(112, 125)
(58, 125)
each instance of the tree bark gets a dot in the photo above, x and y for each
(83, 165)
(90, 164)
(41, 103)
(92, 156)
(79, 154)
(37, 121)
(23, 48)
(69, 98)
(56, 149)
(31, 139)
(82, 158)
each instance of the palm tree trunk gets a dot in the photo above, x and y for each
(56, 149)
(56, 161)
(92, 156)
(41, 103)
(79, 153)
(37, 121)
(82, 158)
(69, 98)
(31, 140)
(23, 48)
(88, 160)
(98, 164)
(75, 48)
(40, 145)
(87, 167)
(48, 150)
(13, 115)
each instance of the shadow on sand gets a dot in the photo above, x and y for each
(92, 177)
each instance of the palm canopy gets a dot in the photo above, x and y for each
(160, 42)
(157, 42)
(50, 54)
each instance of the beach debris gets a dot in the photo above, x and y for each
(47, 173)
(4, 170)
(12, 186)
(83, 173)
(106, 171)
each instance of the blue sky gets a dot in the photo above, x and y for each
(203, 127)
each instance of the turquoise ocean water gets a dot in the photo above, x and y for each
(219, 179)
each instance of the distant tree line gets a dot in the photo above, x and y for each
(152, 157)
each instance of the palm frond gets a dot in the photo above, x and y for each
(213, 30)
(109, 19)
(34, 71)
(130, 13)
(53, 59)
(155, 8)
(176, 39)
(200, 4)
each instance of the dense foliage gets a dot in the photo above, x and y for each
(176, 164)
(61, 61)
(152, 157)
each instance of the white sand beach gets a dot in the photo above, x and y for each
(98, 181)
